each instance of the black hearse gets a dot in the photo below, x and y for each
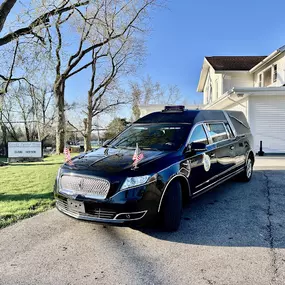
(155, 165)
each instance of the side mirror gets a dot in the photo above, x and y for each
(196, 147)
(106, 142)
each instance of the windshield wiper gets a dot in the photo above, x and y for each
(149, 148)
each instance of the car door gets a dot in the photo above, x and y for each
(200, 161)
(225, 149)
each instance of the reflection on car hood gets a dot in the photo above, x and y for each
(113, 160)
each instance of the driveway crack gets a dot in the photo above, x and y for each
(270, 229)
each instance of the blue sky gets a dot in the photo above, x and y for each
(187, 30)
(191, 29)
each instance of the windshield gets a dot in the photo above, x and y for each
(165, 137)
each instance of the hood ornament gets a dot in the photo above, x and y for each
(137, 157)
(80, 184)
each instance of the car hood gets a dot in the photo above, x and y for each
(110, 160)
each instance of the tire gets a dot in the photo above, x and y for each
(172, 207)
(246, 175)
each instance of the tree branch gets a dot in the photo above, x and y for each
(5, 9)
(108, 107)
(43, 19)
(8, 80)
(82, 133)
(77, 58)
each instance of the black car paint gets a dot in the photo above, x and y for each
(227, 157)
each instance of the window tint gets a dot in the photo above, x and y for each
(199, 135)
(165, 137)
(217, 132)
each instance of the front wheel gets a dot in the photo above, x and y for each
(172, 207)
(247, 173)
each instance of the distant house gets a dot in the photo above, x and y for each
(253, 85)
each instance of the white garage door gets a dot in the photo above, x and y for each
(267, 122)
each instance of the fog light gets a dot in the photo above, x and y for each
(130, 216)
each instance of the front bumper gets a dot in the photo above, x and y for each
(102, 216)
(134, 206)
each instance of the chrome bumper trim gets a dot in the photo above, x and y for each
(88, 217)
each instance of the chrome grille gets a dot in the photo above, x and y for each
(82, 185)
(94, 213)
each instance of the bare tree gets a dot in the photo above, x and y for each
(43, 111)
(31, 108)
(103, 23)
(93, 26)
(104, 93)
(36, 32)
(149, 92)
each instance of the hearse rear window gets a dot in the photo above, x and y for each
(217, 132)
(153, 137)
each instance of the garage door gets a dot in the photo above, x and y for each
(267, 122)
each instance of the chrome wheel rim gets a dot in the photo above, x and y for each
(249, 168)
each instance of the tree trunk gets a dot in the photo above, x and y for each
(4, 134)
(60, 117)
(27, 131)
(87, 137)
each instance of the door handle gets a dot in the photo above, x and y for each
(232, 147)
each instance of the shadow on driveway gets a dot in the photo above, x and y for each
(235, 214)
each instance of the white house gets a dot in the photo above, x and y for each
(253, 85)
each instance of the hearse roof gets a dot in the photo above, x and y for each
(186, 116)
(237, 118)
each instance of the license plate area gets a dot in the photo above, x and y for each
(76, 206)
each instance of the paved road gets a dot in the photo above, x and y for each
(232, 235)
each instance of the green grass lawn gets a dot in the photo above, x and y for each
(26, 189)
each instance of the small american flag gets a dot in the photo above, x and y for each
(137, 157)
(67, 156)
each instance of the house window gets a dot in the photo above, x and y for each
(260, 80)
(274, 72)
(267, 77)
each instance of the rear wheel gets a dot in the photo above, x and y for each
(172, 207)
(247, 173)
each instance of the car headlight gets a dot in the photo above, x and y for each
(135, 181)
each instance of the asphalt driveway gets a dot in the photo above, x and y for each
(234, 234)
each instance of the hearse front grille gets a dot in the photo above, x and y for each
(95, 212)
(82, 185)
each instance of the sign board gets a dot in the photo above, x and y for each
(25, 150)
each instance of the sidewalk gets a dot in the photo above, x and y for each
(270, 162)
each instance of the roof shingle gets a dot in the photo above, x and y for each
(234, 62)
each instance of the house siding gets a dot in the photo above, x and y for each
(236, 79)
